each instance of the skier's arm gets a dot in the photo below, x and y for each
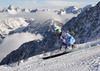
(62, 38)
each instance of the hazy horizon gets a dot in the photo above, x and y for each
(46, 3)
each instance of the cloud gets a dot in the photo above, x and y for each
(14, 41)
(40, 16)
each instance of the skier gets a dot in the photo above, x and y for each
(66, 38)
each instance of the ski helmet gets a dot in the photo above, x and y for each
(58, 31)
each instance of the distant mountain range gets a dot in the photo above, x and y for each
(11, 24)
(71, 9)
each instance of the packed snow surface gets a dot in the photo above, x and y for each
(85, 58)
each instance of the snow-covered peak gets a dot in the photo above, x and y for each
(34, 10)
(71, 8)
(9, 24)
(25, 10)
(62, 12)
(11, 7)
(11, 11)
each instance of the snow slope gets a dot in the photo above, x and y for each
(86, 58)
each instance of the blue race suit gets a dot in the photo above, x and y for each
(67, 40)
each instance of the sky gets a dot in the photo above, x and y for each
(47, 3)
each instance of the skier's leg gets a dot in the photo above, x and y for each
(73, 46)
(63, 47)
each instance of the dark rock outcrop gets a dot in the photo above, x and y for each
(86, 25)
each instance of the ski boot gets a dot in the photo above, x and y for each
(63, 49)
(74, 46)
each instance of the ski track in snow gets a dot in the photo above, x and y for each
(86, 58)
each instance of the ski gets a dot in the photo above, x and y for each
(56, 55)
(59, 54)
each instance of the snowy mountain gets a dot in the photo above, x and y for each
(9, 24)
(46, 29)
(10, 9)
(73, 10)
(22, 18)
(35, 27)
(70, 10)
(43, 28)
(33, 11)
(86, 25)
(62, 12)
(25, 10)
(14, 10)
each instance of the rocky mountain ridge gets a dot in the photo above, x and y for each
(86, 25)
